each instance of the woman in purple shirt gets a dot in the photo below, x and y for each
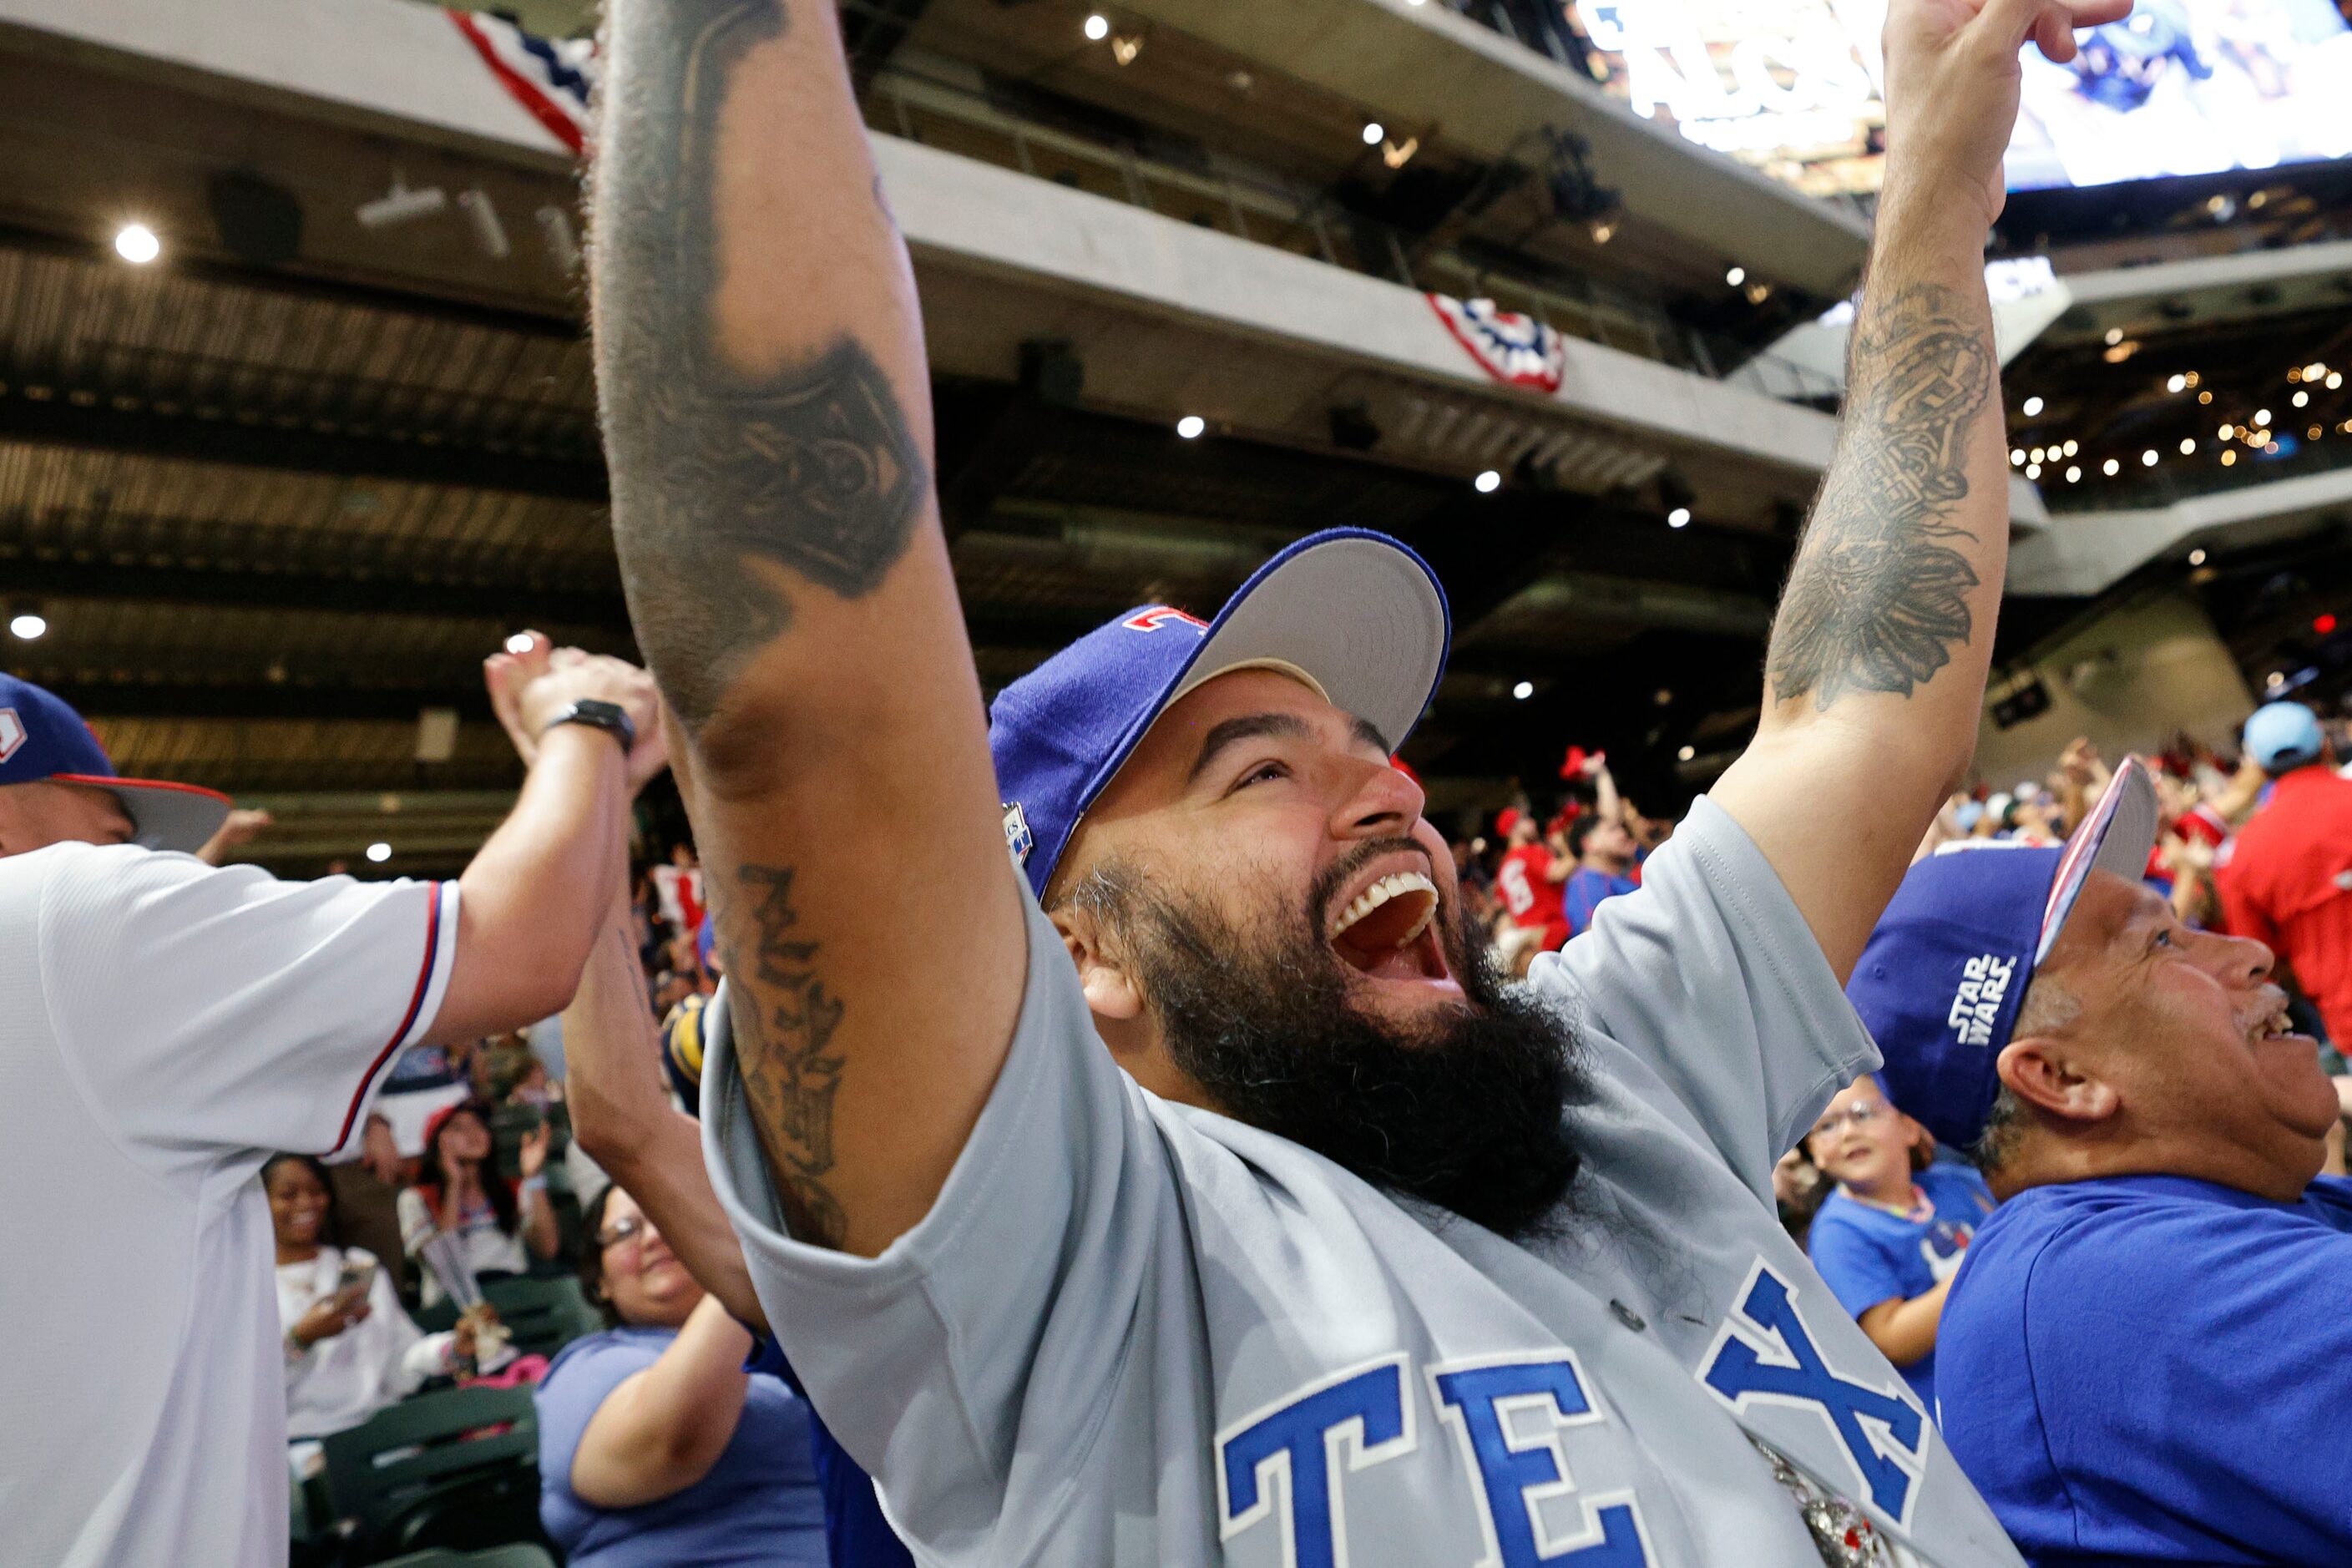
(655, 1447)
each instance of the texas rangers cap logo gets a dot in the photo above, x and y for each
(12, 733)
(1017, 837)
(1159, 615)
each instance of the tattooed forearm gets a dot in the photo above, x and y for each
(783, 1020)
(1878, 598)
(721, 476)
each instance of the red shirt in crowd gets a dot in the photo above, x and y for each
(2288, 882)
(1530, 897)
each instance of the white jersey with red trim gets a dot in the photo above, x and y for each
(163, 1028)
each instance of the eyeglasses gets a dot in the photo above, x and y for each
(1860, 1114)
(622, 1230)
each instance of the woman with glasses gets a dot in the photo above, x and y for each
(654, 1445)
(1889, 1239)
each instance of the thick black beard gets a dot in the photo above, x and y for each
(1467, 1113)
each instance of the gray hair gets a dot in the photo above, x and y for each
(2048, 1008)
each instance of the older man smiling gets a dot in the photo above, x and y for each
(2143, 1358)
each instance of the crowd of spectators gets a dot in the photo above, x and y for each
(658, 1441)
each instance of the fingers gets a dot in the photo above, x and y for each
(2054, 34)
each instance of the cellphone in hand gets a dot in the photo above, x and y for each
(355, 1278)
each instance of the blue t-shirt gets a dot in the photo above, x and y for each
(758, 1505)
(1585, 889)
(1868, 1255)
(2155, 1369)
(855, 1530)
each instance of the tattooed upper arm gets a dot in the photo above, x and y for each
(810, 466)
(1878, 598)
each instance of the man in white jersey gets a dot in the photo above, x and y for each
(1362, 1258)
(164, 1027)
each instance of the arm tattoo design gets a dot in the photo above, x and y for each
(782, 1028)
(1878, 598)
(718, 474)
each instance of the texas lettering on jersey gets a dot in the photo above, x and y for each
(1286, 1467)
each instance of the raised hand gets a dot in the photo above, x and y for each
(1953, 80)
(533, 1150)
(531, 682)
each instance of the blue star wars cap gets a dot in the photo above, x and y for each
(1354, 615)
(1946, 969)
(42, 738)
(2283, 736)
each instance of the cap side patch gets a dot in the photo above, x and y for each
(1017, 837)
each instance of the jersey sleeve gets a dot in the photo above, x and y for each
(1708, 974)
(2191, 1364)
(988, 1339)
(210, 1009)
(1852, 1263)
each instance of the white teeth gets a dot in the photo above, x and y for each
(1389, 887)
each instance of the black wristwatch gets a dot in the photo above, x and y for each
(609, 717)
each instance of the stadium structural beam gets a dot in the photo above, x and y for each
(382, 593)
(93, 424)
(252, 699)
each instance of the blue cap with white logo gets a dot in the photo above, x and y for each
(1945, 972)
(2283, 736)
(41, 738)
(1354, 615)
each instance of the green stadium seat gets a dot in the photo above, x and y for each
(544, 1315)
(454, 1469)
(521, 1554)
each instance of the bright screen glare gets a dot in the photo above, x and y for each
(2182, 87)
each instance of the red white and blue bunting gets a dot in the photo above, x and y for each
(554, 79)
(1517, 350)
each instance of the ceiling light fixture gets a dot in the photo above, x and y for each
(1097, 28)
(1374, 132)
(1190, 426)
(1686, 753)
(2032, 405)
(26, 623)
(2197, 557)
(379, 852)
(137, 244)
(1736, 277)
(1523, 690)
(1487, 483)
(1678, 518)
(402, 205)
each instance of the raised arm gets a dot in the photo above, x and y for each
(621, 1116)
(1876, 671)
(767, 425)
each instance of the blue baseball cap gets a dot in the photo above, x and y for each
(1353, 615)
(42, 738)
(2283, 736)
(1945, 974)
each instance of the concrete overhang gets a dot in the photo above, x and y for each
(1168, 317)
(1422, 65)
(2082, 553)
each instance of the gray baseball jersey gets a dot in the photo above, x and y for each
(1135, 1332)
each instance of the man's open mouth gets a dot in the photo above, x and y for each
(2272, 1023)
(1389, 929)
